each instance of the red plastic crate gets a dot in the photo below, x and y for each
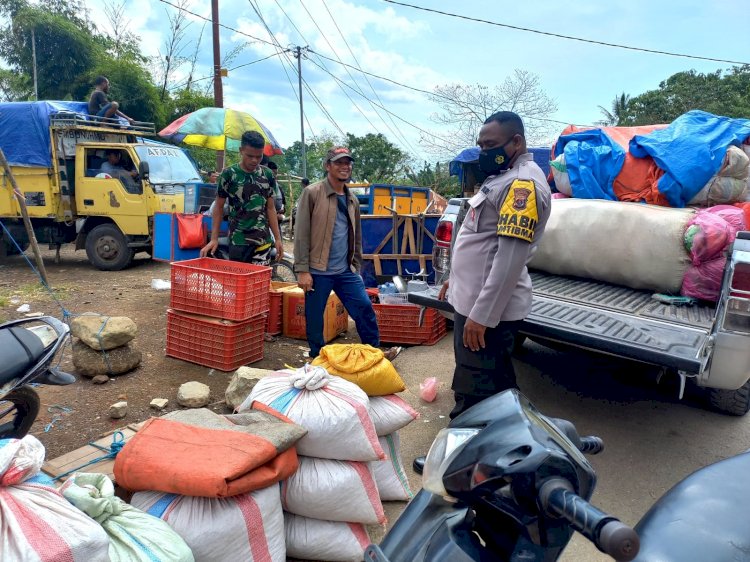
(275, 321)
(400, 324)
(220, 344)
(220, 288)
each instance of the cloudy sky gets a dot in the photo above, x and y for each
(424, 49)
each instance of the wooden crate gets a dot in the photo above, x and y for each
(74, 459)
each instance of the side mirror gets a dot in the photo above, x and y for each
(143, 169)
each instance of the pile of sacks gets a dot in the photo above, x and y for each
(103, 346)
(349, 459)
(731, 182)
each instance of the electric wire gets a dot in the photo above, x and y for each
(177, 87)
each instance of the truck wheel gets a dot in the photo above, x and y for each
(732, 402)
(107, 248)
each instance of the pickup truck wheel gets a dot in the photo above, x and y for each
(107, 248)
(732, 402)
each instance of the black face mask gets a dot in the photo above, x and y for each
(494, 160)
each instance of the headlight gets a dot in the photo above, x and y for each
(444, 449)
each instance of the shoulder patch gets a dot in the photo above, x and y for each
(518, 213)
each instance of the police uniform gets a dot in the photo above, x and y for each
(489, 281)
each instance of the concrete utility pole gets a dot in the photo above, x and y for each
(218, 88)
(298, 53)
(33, 58)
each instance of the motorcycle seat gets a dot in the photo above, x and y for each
(704, 517)
(21, 349)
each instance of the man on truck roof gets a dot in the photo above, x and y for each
(99, 104)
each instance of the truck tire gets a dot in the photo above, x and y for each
(732, 402)
(107, 248)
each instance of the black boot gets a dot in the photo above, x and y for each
(418, 464)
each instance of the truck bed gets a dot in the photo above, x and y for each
(612, 319)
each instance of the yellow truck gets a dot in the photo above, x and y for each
(85, 181)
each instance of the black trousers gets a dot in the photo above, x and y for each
(481, 374)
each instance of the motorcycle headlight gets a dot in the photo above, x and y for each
(444, 449)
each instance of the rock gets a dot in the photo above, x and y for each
(90, 363)
(118, 410)
(243, 381)
(159, 403)
(193, 394)
(100, 379)
(103, 332)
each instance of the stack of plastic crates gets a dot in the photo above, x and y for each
(399, 323)
(218, 312)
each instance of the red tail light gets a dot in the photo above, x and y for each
(444, 233)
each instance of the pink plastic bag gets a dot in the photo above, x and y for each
(734, 216)
(706, 236)
(704, 281)
(428, 389)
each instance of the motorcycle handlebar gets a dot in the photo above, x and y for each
(610, 535)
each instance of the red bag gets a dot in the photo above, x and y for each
(191, 232)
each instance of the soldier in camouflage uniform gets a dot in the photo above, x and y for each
(249, 189)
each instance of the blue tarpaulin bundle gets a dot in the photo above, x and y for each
(24, 130)
(470, 155)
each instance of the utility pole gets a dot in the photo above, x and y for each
(218, 88)
(298, 51)
(33, 59)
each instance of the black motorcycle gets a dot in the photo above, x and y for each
(505, 483)
(27, 349)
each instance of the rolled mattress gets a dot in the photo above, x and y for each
(631, 244)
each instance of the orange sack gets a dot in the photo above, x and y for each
(168, 456)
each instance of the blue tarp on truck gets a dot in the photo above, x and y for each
(24, 129)
(541, 157)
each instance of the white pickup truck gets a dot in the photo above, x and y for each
(707, 343)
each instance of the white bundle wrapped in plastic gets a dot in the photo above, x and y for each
(332, 541)
(560, 175)
(631, 244)
(333, 490)
(334, 411)
(247, 527)
(134, 536)
(390, 413)
(730, 183)
(36, 523)
(390, 476)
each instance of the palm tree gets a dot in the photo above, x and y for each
(619, 109)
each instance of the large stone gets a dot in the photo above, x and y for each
(118, 410)
(159, 403)
(193, 394)
(103, 332)
(90, 363)
(243, 381)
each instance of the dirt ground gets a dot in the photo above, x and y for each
(81, 288)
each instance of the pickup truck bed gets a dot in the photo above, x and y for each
(612, 319)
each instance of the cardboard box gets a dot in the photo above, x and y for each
(335, 318)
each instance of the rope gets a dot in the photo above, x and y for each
(56, 417)
(118, 442)
(101, 346)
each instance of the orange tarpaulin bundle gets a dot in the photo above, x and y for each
(173, 457)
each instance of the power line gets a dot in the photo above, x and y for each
(560, 36)
(228, 70)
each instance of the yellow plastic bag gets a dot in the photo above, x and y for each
(363, 365)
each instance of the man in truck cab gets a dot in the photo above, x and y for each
(489, 285)
(99, 104)
(115, 167)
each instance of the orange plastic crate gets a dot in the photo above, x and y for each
(275, 321)
(220, 344)
(220, 288)
(400, 324)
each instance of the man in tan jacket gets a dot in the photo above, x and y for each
(328, 252)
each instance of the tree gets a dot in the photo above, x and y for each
(437, 179)
(619, 111)
(720, 92)
(376, 158)
(465, 107)
(118, 40)
(174, 45)
(315, 152)
(15, 87)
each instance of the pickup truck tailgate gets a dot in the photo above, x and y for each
(612, 319)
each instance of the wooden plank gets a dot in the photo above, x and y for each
(378, 267)
(412, 242)
(396, 256)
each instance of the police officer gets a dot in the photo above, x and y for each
(489, 285)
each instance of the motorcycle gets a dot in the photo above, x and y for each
(28, 348)
(504, 482)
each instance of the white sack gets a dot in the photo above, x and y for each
(332, 541)
(390, 476)
(721, 190)
(336, 417)
(247, 527)
(36, 523)
(390, 413)
(134, 536)
(560, 175)
(632, 244)
(333, 490)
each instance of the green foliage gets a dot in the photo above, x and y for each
(437, 178)
(14, 87)
(376, 158)
(619, 110)
(315, 152)
(721, 92)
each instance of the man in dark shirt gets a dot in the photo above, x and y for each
(99, 104)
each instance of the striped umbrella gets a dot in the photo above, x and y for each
(218, 128)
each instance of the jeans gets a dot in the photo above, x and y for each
(481, 374)
(350, 289)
